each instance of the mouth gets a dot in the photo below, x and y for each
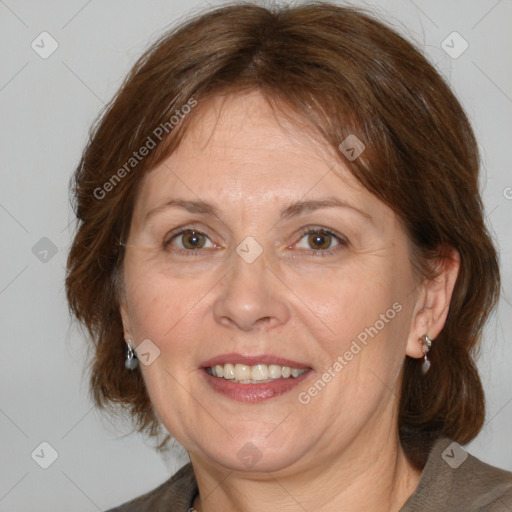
(257, 374)
(253, 379)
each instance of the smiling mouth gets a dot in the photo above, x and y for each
(256, 374)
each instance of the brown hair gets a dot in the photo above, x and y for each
(342, 72)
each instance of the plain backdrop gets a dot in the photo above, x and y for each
(47, 106)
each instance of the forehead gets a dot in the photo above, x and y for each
(238, 151)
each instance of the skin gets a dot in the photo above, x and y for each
(341, 450)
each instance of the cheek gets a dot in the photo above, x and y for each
(361, 310)
(159, 306)
(345, 300)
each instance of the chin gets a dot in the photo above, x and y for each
(262, 455)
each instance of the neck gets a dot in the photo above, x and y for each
(373, 473)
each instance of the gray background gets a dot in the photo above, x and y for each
(47, 107)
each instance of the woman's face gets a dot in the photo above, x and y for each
(254, 251)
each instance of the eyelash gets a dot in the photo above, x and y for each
(181, 231)
(305, 231)
(317, 229)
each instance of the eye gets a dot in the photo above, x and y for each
(320, 240)
(189, 240)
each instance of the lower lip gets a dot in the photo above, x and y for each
(253, 392)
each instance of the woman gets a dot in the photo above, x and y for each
(281, 258)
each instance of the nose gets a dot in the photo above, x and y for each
(252, 297)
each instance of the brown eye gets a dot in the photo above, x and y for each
(192, 239)
(189, 240)
(320, 240)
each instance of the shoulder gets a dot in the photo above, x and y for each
(174, 495)
(455, 480)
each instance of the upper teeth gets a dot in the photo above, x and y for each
(256, 373)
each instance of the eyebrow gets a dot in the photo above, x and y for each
(200, 207)
(293, 210)
(301, 207)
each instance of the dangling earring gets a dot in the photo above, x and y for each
(426, 344)
(131, 361)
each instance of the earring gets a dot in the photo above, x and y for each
(131, 361)
(426, 344)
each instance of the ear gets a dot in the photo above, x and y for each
(123, 309)
(433, 302)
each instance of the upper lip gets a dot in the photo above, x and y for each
(253, 360)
